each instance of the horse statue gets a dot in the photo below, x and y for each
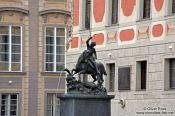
(82, 67)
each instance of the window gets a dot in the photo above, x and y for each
(169, 73)
(141, 74)
(10, 48)
(145, 8)
(53, 105)
(124, 78)
(173, 6)
(111, 77)
(57, 0)
(55, 49)
(172, 73)
(114, 11)
(9, 105)
(87, 14)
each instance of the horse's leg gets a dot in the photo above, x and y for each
(94, 77)
(102, 71)
(100, 80)
(101, 76)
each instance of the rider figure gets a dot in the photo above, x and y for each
(92, 56)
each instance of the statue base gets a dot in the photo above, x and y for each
(85, 105)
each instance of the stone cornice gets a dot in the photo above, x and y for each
(48, 11)
(17, 9)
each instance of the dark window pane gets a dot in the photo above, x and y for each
(49, 67)
(173, 6)
(49, 31)
(4, 47)
(87, 14)
(3, 113)
(60, 49)
(172, 73)
(2, 107)
(114, 11)
(143, 74)
(4, 57)
(60, 32)
(4, 102)
(13, 102)
(49, 58)
(49, 49)
(13, 113)
(172, 83)
(4, 96)
(60, 58)
(16, 48)
(60, 67)
(111, 77)
(60, 41)
(16, 39)
(146, 9)
(13, 107)
(4, 29)
(16, 30)
(124, 78)
(49, 40)
(16, 57)
(4, 38)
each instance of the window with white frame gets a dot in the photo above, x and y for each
(114, 15)
(111, 77)
(10, 48)
(141, 75)
(145, 9)
(169, 73)
(87, 14)
(55, 49)
(9, 105)
(171, 7)
(53, 105)
(172, 73)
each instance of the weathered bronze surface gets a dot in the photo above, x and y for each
(87, 64)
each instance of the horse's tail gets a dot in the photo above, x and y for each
(105, 73)
(102, 68)
(68, 71)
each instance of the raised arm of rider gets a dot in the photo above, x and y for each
(87, 42)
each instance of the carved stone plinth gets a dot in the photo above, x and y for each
(85, 105)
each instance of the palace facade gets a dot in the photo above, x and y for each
(136, 43)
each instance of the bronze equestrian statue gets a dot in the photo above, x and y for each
(87, 64)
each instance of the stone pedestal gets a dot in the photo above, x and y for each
(85, 105)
